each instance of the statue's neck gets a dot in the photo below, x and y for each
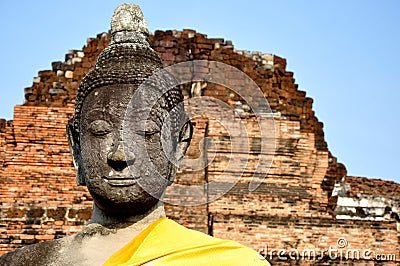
(140, 221)
(106, 234)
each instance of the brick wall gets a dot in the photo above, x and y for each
(293, 206)
(38, 193)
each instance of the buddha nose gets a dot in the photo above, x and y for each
(117, 158)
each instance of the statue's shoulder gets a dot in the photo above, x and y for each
(58, 252)
(36, 255)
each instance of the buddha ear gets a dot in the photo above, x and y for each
(185, 135)
(74, 147)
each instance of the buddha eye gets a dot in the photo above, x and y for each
(100, 127)
(146, 133)
(149, 130)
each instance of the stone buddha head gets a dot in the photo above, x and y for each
(126, 137)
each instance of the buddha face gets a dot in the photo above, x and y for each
(123, 153)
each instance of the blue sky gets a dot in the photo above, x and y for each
(344, 55)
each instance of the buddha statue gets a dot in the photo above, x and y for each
(126, 140)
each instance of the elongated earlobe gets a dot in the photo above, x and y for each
(185, 136)
(73, 141)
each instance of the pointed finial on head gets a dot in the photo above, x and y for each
(129, 17)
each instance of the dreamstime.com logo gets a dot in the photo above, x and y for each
(339, 252)
(246, 123)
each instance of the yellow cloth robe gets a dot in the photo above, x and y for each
(165, 242)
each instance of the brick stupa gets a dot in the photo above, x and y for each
(306, 201)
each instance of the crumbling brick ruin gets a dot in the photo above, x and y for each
(306, 201)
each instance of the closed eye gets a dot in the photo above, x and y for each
(149, 129)
(100, 127)
(147, 133)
